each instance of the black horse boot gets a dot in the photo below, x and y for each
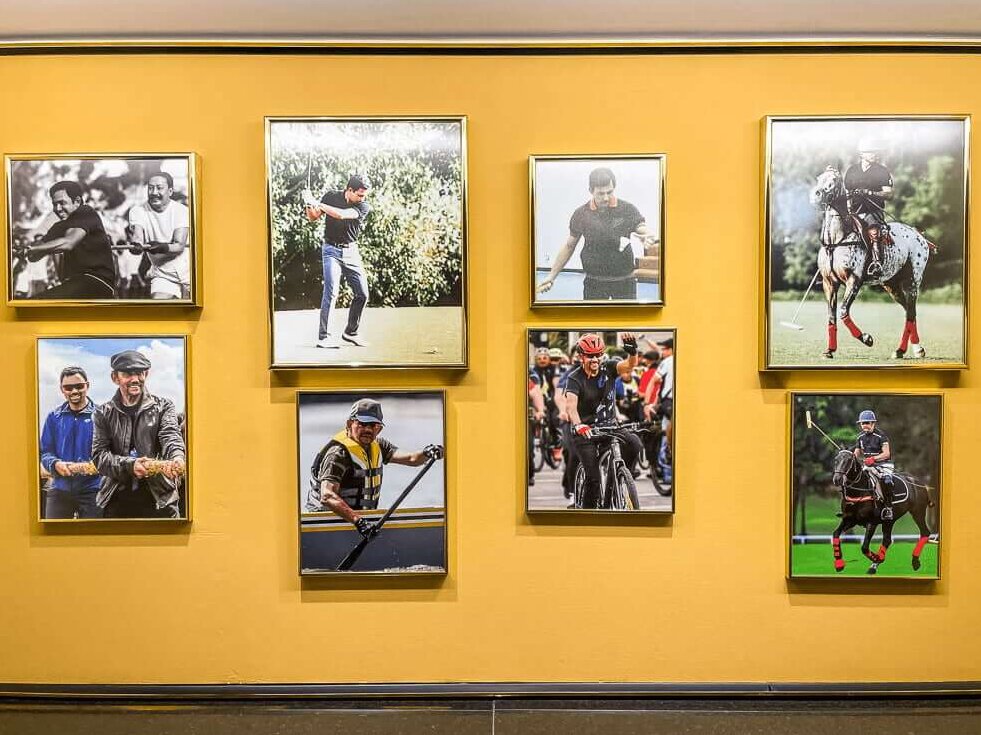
(886, 514)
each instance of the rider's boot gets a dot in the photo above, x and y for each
(875, 248)
(887, 514)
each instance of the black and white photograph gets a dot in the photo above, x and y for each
(101, 229)
(866, 242)
(367, 241)
(597, 230)
(600, 420)
(113, 428)
(865, 485)
(372, 482)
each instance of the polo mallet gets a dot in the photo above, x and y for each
(792, 324)
(348, 561)
(812, 425)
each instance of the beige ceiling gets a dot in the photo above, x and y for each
(507, 19)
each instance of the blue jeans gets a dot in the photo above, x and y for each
(344, 262)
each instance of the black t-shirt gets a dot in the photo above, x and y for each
(596, 395)
(870, 444)
(544, 377)
(601, 230)
(874, 180)
(343, 231)
(92, 255)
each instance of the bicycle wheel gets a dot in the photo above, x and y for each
(662, 474)
(625, 491)
(579, 486)
(538, 450)
(642, 460)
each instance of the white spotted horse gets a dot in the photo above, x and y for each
(843, 259)
(859, 508)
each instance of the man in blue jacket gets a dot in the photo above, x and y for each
(66, 451)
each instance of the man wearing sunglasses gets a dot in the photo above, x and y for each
(347, 472)
(138, 445)
(66, 444)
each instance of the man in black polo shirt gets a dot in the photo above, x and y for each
(87, 270)
(345, 216)
(872, 447)
(869, 185)
(590, 396)
(604, 224)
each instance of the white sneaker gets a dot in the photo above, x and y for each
(329, 342)
(354, 339)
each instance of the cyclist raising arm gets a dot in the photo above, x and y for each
(590, 400)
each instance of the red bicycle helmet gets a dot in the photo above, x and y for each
(591, 344)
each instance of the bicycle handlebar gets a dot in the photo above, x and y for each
(609, 429)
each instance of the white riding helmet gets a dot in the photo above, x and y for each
(868, 144)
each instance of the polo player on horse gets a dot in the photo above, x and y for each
(872, 448)
(869, 185)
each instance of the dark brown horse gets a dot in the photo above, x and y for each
(859, 508)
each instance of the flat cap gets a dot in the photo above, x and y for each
(129, 361)
(669, 343)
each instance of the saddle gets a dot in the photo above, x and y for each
(863, 230)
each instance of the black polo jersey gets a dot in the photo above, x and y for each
(874, 180)
(543, 377)
(596, 395)
(601, 230)
(870, 444)
(92, 255)
(343, 231)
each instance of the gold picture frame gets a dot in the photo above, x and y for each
(561, 193)
(821, 222)
(123, 264)
(425, 322)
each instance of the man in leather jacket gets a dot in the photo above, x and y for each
(138, 446)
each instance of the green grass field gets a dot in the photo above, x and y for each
(940, 327)
(817, 560)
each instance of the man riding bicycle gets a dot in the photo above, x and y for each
(590, 401)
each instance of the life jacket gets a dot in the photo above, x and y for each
(360, 487)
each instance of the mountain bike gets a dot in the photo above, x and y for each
(618, 491)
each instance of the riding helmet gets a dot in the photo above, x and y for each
(866, 415)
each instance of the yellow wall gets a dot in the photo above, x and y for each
(700, 597)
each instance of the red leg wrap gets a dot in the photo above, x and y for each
(919, 546)
(881, 553)
(904, 342)
(913, 334)
(856, 332)
(832, 337)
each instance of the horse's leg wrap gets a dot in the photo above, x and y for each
(836, 547)
(881, 553)
(914, 336)
(856, 332)
(832, 337)
(918, 549)
(907, 330)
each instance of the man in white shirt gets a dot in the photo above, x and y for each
(161, 228)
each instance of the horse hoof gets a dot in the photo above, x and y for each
(918, 351)
(916, 563)
(829, 354)
(839, 566)
(866, 339)
(872, 570)
(899, 355)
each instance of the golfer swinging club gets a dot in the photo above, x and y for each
(347, 472)
(346, 213)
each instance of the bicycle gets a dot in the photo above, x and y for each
(545, 440)
(661, 465)
(618, 491)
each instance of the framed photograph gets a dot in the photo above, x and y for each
(102, 229)
(597, 230)
(600, 420)
(113, 428)
(865, 252)
(367, 238)
(372, 482)
(865, 473)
